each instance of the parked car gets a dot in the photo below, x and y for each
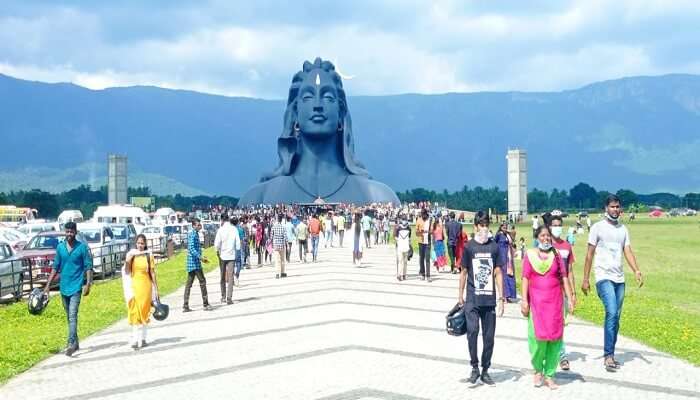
(40, 253)
(100, 238)
(30, 230)
(13, 237)
(124, 236)
(11, 272)
(155, 237)
(177, 233)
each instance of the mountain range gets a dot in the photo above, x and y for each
(638, 133)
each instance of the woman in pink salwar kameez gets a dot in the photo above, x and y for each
(544, 274)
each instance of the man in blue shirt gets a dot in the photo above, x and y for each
(73, 261)
(194, 267)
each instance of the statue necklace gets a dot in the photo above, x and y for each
(318, 195)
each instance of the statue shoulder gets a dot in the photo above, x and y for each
(280, 189)
(373, 191)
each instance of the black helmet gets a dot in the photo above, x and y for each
(456, 321)
(37, 301)
(161, 311)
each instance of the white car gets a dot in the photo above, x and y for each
(31, 230)
(11, 270)
(99, 239)
(13, 237)
(155, 237)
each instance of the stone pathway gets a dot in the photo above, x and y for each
(335, 331)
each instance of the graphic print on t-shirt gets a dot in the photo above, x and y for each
(482, 268)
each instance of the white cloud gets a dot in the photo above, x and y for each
(421, 46)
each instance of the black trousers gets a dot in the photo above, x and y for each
(367, 239)
(288, 252)
(487, 317)
(424, 259)
(452, 250)
(302, 250)
(202, 286)
(341, 234)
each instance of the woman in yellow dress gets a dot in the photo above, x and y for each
(140, 288)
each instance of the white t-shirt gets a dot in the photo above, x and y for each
(610, 241)
(535, 223)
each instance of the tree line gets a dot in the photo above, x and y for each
(581, 197)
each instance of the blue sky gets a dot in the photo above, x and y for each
(253, 48)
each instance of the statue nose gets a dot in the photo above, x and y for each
(318, 108)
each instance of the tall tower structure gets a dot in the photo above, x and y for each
(117, 186)
(517, 183)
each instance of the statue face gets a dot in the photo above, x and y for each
(318, 107)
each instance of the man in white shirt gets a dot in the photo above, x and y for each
(227, 241)
(608, 241)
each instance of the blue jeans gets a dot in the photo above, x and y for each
(238, 263)
(611, 294)
(71, 304)
(314, 246)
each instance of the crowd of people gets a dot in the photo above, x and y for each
(486, 261)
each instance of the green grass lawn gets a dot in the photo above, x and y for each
(27, 339)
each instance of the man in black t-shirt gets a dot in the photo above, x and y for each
(481, 274)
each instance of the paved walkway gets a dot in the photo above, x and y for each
(335, 331)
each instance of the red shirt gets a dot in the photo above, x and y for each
(565, 251)
(314, 226)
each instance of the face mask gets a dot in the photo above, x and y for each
(482, 235)
(545, 246)
(556, 231)
(611, 218)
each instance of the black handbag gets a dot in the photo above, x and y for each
(456, 321)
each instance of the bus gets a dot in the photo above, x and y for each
(13, 216)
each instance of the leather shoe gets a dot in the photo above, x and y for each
(474, 376)
(71, 349)
(486, 378)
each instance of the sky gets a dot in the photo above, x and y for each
(253, 48)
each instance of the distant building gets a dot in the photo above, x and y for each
(517, 183)
(117, 185)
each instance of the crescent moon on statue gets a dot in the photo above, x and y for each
(342, 75)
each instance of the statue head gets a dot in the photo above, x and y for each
(316, 110)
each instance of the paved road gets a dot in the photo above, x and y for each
(335, 331)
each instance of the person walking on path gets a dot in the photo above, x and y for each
(403, 248)
(357, 242)
(566, 252)
(279, 246)
(328, 230)
(482, 278)
(542, 301)
(225, 244)
(367, 228)
(301, 231)
(423, 233)
(194, 267)
(259, 240)
(291, 238)
(140, 285)
(535, 225)
(505, 245)
(608, 241)
(454, 230)
(314, 232)
(74, 264)
(341, 228)
(386, 227)
(439, 244)
(240, 249)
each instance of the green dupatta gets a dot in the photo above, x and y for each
(539, 265)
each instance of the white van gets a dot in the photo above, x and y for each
(69, 216)
(120, 214)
